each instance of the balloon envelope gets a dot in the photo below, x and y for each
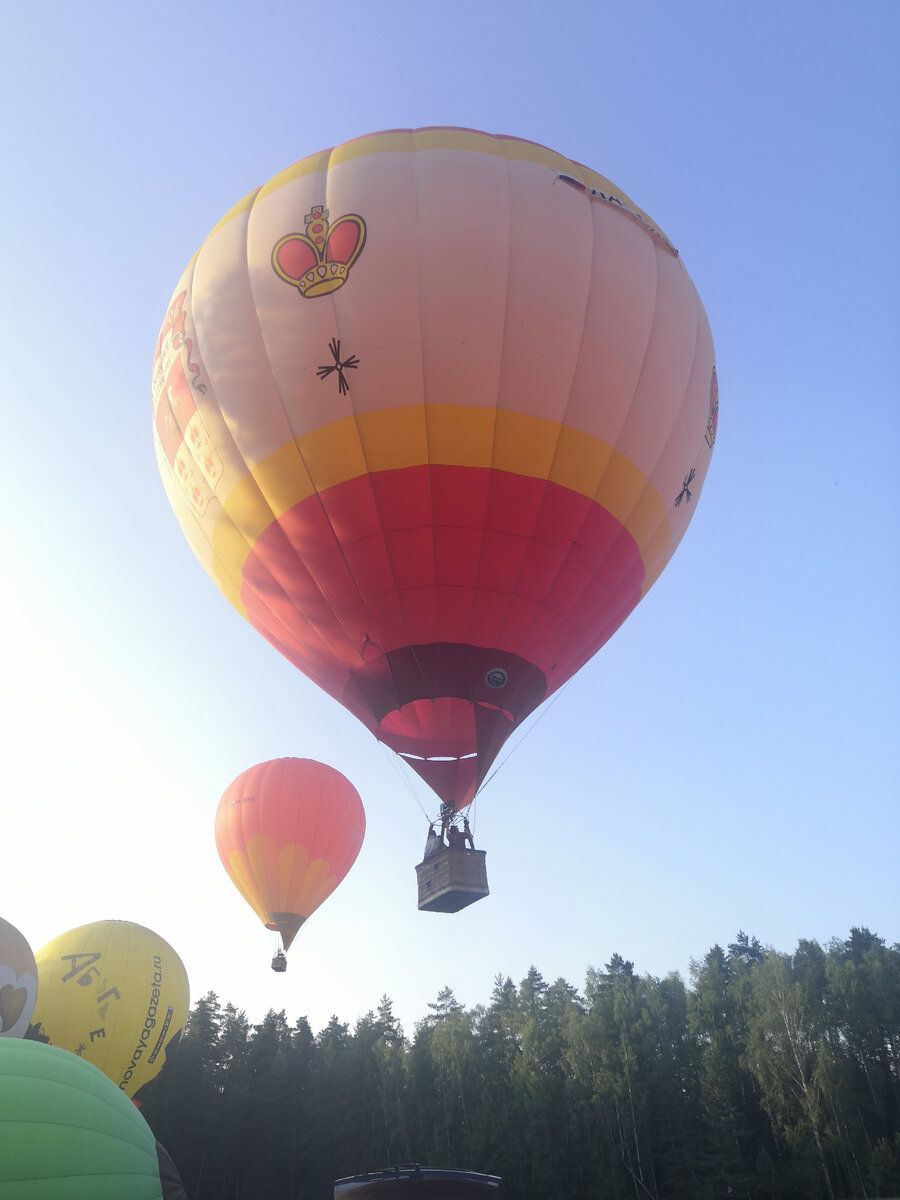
(116, 994)
(287, 832)
(67, 1133)
(434, 409)
(18, 981)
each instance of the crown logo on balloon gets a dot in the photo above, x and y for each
(318, 261)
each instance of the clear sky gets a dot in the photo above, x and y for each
(729, 760)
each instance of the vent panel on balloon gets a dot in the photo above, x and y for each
(452, 879)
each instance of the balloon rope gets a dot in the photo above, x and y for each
(392, 758)
(526, 733)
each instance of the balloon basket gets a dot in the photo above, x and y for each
(452, 879)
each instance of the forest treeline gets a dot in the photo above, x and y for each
(775, 1075)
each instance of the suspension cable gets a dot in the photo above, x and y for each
(527, 733)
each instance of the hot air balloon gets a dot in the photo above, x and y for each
(18, 982)
(116, 994)
(68, 1133)
(434, 409)
(287, 832)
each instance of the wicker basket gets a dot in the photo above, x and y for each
(452, 879)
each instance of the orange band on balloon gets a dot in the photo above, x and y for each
(446, 435)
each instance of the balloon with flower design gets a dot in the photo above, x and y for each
(287, 832)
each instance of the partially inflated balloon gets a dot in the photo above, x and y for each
(68, 1134)
(287, 832)
(434, 409)
(18, 981)
(116, 994)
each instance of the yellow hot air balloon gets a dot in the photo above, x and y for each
(116, 994)
(18, 981)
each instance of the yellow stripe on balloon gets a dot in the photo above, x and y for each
(286, 887)
(460, 436)
(332, 454)
(293, 868)
(395, 437)
(241, 872)
(302, 884)
(445, 435)
(262, 851)
(523, 444)
(318, 882)
(580, 461)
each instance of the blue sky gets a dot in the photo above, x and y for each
(729, 760)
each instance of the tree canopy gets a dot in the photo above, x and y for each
(775, 1075)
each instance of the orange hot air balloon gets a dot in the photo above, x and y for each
(434, 409)
(287, 832)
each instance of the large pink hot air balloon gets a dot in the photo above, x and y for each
(434, 409)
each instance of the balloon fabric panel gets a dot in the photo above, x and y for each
(67, 1132)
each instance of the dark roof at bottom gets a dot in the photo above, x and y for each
(412, 1182)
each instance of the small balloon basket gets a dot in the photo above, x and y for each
(451, 879)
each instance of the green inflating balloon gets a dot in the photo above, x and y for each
(68, 1133)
